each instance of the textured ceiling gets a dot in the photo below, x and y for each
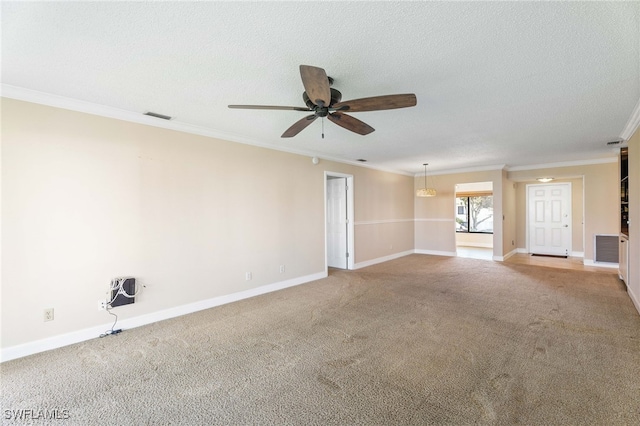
(508, 83)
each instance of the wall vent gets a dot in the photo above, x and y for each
(605, 248)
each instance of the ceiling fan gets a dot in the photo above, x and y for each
(325, 101)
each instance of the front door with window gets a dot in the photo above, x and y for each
(549, 219)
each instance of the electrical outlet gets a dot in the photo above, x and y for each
(248, 276)
(102, 305)
(48, 314)
(282, 269)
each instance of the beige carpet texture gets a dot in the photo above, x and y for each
(417, 340)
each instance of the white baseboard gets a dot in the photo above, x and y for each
(590, 262)
(634, 298)
(66, 339)
(573, 253)
(382, 259)
(506, 256)
(53, 342)
(436, 252)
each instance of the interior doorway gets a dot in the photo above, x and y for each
(339, 222)
(474, 220)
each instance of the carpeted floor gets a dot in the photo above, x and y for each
(418, 340)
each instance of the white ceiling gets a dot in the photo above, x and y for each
(497, 83)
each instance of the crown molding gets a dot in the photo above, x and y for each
(632, 124)
(57, 101)
(564, 164)
(463, 170)
(34, 96)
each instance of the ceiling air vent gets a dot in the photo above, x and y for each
(156, 115)
(362, 160)
(614, 143)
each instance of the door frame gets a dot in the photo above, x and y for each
(469, 187)
(570, 206)
(350, 219)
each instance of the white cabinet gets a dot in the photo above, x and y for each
(623, 253)
(623, 259)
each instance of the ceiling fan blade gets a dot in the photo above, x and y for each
(377, 103)
(350, 123)
(316, 84)
(299, 126)
(286, 108)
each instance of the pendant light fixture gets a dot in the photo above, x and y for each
(426, 191)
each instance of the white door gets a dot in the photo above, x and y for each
(549, 219)
(337, 244)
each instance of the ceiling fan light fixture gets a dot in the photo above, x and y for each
(426, 191)
(324, 101)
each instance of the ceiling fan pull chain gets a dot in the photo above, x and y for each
(322, 127)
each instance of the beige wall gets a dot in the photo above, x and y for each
(383, 211)
(87, 198)
(594, 202)
(509, 215)
(634, 218)
(577, 213)
(435, 217)
(601, 199)
(378, 240)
